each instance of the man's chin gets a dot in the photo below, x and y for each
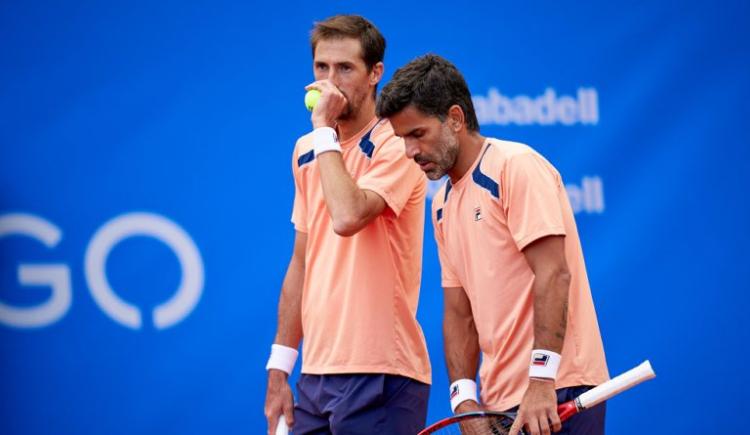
(434, 174)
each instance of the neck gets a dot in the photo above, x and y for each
(469, 147)
(355, 124)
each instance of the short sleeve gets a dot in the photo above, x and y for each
(532, 189)
(391, 175)
(299, 210)
(448, 276)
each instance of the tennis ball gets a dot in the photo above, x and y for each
(311, 99)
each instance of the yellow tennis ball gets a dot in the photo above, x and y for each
(311, 99)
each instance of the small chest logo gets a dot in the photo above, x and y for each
(478, 214)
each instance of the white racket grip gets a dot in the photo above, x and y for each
(282, 428)
(616, 385)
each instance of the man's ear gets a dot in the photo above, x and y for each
(376, 73)
(456, 118)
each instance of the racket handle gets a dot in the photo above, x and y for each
(567, 410)
(616, 385)
(282, 428)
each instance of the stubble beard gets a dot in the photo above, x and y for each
(447, 158)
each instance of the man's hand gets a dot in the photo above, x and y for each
(538, 409)
(279, 400)
(471, 427)
(331, 104)
(467, 406)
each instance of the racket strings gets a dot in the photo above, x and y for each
(484, 425)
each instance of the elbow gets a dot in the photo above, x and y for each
(346, 226)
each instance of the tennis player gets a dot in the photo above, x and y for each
(513, 273)
(352, 285)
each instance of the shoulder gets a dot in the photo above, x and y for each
(438, 201)
(503, 155)
(500, 152)
(383, 136)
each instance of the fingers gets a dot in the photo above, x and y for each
(279, 400)
(516, 427)
(535, 425)
(289, 411)
(556, 423)
(273, 421)
(324, 86)
(543, 425)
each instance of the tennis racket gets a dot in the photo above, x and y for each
(282, 428)
(499, 423)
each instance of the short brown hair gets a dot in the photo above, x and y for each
(432, 85)
(351, 26)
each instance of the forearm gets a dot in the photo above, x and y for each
(289, 329)
(461, 344)
(551, 309)
(347, 204)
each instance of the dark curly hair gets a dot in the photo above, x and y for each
(432, 84)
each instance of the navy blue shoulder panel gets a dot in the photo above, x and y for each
(439, 211)
(306, 158)
(366, 145)
(483, 180)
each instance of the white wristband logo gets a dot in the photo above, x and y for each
(544, 364)
(461, 391)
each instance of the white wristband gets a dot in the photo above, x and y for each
(282, 358)
(461, 391)
(544, 364)
(325, 139)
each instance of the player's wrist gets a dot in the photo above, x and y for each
(325, 139)
(322, 121)
(283, 358)
(277, 374)
(542, 380)
(544, 365)
(461, 391)
(467, 406)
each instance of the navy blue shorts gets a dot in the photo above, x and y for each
(589, 422)
(360, 404)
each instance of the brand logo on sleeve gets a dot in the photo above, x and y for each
(454, 392)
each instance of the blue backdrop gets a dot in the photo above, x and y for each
(145, 195)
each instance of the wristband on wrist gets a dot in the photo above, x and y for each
(461, 391)
(544, 364)
(325, 139)
(282, 358)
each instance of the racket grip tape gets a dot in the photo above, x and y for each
(616, 385)
(282, 428)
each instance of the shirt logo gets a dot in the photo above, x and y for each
(539, 359)
(477, 214)
(454, 392)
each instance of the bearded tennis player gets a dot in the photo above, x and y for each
(513, 273)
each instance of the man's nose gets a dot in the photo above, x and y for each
(411, 148)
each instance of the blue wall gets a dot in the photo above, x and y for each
(133, 132)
